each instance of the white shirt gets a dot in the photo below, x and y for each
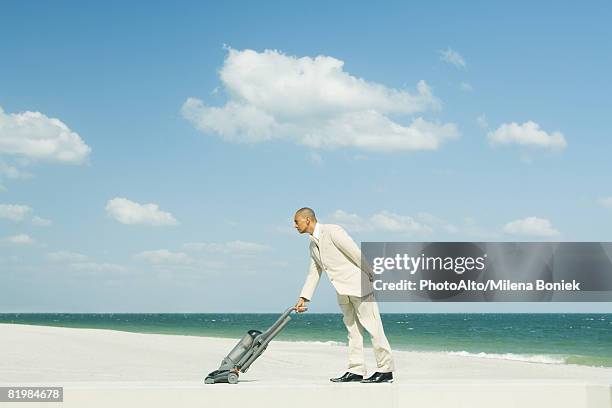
(317, 232)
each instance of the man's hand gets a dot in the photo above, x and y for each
(299, 306)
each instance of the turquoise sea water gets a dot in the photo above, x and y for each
(551, 338)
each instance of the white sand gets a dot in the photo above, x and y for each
(112, 368)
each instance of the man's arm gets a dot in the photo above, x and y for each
(312, 280)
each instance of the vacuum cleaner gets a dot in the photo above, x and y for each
(252, 345)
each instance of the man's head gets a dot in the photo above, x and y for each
(305, 220)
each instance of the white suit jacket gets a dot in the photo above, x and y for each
(338, 256)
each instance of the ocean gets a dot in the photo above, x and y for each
(584, 339)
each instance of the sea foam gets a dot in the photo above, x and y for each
(530, 358)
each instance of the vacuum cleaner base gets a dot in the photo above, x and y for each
(222, 376)
(248, 349)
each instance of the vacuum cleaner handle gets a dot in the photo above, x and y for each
(262, 340)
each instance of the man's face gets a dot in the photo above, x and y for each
(301, 223)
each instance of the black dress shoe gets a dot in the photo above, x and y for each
(379, 378)
(347, 377)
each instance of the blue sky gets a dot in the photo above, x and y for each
(144, 202)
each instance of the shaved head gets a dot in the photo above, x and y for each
(306, 212)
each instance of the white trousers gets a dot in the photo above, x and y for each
(359, 313)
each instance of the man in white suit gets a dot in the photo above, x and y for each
(332, 250)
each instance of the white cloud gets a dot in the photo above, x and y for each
(528, 134)
(14, 212)
(470, 228)
(96, 267)
(41, 222)
(66, 256)
(482, 121)
(36, 136)
(20, 239)
(606, 202)
(452, 57)
(433, 221)
(163, 256)
(424, 224)
(388, 221)
(232, 247)
(351, 222)
(206, 258)
(12, 172)
(531, 226)
(381, 221)
(466, 87)
(80, 263)
(315, 86)
(314, 102)
(129, 212)
(19, 212)
(466, 228)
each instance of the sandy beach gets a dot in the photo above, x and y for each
(106, 367)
